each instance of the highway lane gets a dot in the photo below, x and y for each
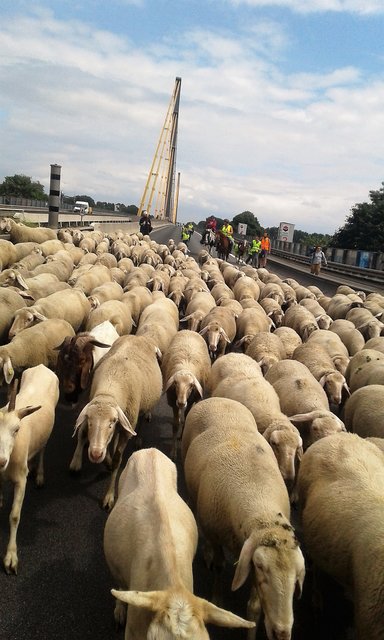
(62, 590)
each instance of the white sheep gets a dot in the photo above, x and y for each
(341, 487)
(21, 233)
(335, 347)
(273, 311)
(323, 319)
(366, 323)
(126, 383)
(339, 305)
(10, 302)
(159, 321)
(114, 311)
(365, 367)
(322, 367)
(261, 399)
(70, 305)
(8, 255)
(219, 329)
(198, 307)
(349, 335)
(249, 323)
(375, 343)
(105, 292)
(155, 572)
(186, 367)
(363, 413)
(301, 320)
(33, 346)
(243, 506)
(22, 438)
(96, 276)
(303, 400)
(266, 348)
(246, 287)
(289, 338)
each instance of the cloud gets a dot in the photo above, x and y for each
(295, 146)
(361, 7)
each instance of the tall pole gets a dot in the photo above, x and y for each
(173, 148)
(54, 196)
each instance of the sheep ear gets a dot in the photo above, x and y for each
(26, 411)
(204, 331)
(39, 316)
(150, 600)
(86, 371)
(223, 618)
(303, 417)
(223, 333)
(323, 380)
(124, 421)
(198, 387)
(81, 419)
(21, 281)
(169, 383)
(8, 370)
(244, 564)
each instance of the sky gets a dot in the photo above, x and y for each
(281, 105)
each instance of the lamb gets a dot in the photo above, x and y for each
(364, 411)
(21, 233)
(33, 346)
(289, 338)
(186, 367)
(71, 305)
(331, 342)
(219, 329)
(116, 312)
(322, 367)
(341, 485)
(79, 355)
(161, 600)
(22, 438)
(304, 400)
(10, 302)
(127, 383)
(365, 367)
(301, 320)
(249, 323)
(366, 323)
(266, 348)
(242, 505)
(349, 335)
(263, 402)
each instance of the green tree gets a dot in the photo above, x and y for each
(21, 186)
(364, 227)
(248, 218)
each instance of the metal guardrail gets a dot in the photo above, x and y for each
(368, 275)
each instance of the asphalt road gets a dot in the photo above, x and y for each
(63, 587)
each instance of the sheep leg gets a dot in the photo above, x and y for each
(175, 430)
(253, 612)
(120, 613)
(77, 460)
(215, 560)
(109, 498)
(10, 559)
(40, 468)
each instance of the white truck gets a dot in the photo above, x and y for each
(82, 208)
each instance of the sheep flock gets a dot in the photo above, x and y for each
(275, 423)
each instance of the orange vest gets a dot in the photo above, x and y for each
(265, 244)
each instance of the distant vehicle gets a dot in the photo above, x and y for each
(82, 207)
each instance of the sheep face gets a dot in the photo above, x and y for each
(288, 449)
(278, 568)
(9, 427)
(333, 384)
(324, 321)
(185, 385)
(24, 318)
(216, 338)
(101, 419)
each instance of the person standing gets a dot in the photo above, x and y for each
(317, 259)
(253, 252)
(185, 234)
(265, 246)
(145, 224)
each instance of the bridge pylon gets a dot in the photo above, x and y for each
(161, 192)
